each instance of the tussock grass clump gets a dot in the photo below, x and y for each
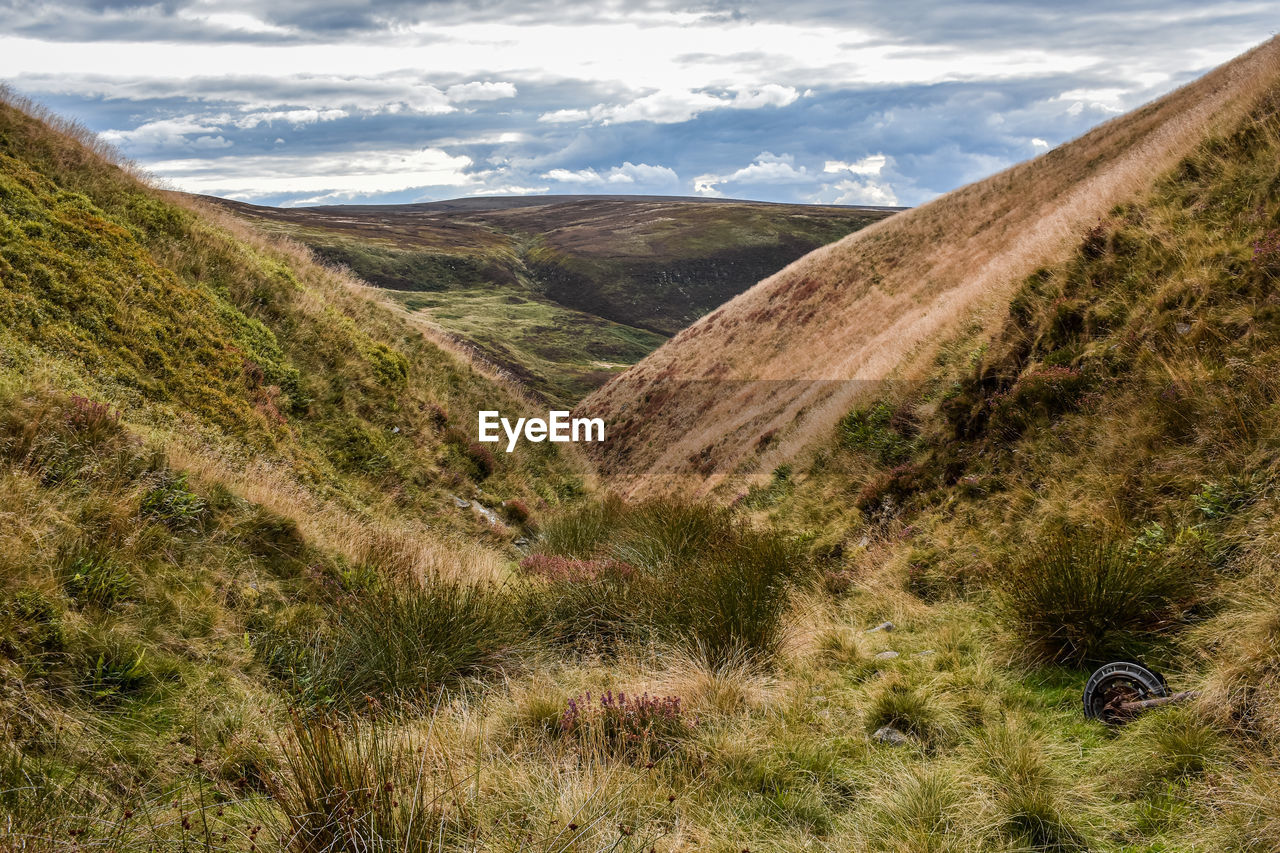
(1080, 599)
(913, 709)
(349, 785)
(675, 570)
(1033, 806)
(580, 532)
(400, 640)
(1176, 744)
(915, 809)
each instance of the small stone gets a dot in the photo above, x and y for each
(888, 654)
(890, 736)
(460, 503)
(1182, 328)
(924, 654)
(883, 626)
(487, 514)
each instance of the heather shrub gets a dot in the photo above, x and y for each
(1266, 253)
(1040, 394)
(885, 492)
(61, 438)
(1082, 599)
(516, 511)
(482, 460)
(634, 727)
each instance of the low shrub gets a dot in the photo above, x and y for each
(1082, 599)
(516, 511)
(171, 502)
(1040, 395)
(93, 577)
(882, 433)
(482, 460)
(1266, 253)
(635, 727)
(886, 491)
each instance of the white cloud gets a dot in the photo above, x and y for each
(768, 95)
(480, 91)
(565, 116)
(627, 173)
(582, 176)
(167, 132)
(332, 175)
(864, 191)
(297, 118)
(767, 168)
(672, 106)
(1039, 144)
(706, 185)
(872, 164)
(669, 107)
(510, 189)
(1108, 100)
(209, 142)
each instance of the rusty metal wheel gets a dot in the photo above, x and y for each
(1118, 684)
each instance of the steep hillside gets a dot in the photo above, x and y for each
(562, 292)
(1097, 479)
(210, 338)
(211, 447)
(757, 379)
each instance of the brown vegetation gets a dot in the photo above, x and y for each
(790, 356)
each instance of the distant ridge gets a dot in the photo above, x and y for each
(755, 381)
(474, 204)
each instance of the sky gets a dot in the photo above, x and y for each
(301, 102)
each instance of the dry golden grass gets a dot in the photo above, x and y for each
(760, 378)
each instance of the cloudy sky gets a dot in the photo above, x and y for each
(315, 101)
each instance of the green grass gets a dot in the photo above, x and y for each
(564, 297)
(557, 352)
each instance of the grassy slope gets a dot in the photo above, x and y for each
(198, 332)
(777, 366)
(201, 432)
(590, 286)
(1128, 396)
